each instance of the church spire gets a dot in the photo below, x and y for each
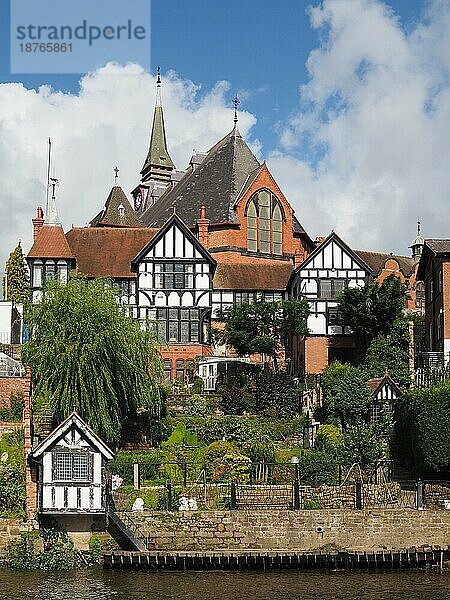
(158, 165)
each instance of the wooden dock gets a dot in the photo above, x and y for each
(287, 559)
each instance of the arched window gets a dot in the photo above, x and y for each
(252, 232)
(264, 224)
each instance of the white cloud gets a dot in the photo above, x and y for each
(377, 111)
(106, 124)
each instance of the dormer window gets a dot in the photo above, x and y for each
(264, 223)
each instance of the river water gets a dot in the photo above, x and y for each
(97, 584)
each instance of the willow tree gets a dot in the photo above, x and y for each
(87, 354)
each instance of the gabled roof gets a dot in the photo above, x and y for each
(107, 251)
(174, 219)
(215, 183)
(377, 383)
(249, 274)
(437, 248)
(73, 420)
(50, 242)
(377, 260)
(334, 237)
(117, 212)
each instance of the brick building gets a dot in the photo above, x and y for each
(195, 241)
(434, 272)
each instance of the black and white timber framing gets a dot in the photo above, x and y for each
(175, 280)
(71, 466)
(330, 268)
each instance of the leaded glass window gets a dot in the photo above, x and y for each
(72, 466)
(264, 224)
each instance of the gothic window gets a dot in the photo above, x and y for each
(37, 275)
(264, 224)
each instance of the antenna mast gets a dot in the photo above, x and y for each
(48, 175)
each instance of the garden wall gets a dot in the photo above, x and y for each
(10, 530)
(300, 530)
(9, 385)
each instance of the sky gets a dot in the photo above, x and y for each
(348, 101)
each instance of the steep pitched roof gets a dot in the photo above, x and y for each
(107, 251)
(73, 420)
(250, 274)
(157, 155)
(216, 182)
(334, 236)
(50, 242)
(440, 248)
(117, 212)
(377, 383)
(377, 260)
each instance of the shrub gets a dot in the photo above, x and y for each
(225, 462)
(13, 414)
(317, 467)
(363, 444)
(329, 439)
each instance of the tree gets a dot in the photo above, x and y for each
(390, 352)
(371, 310)
(353, 398)
(87, 354)
(263, 327)
(17, 281)
(330, 382)
(422, 420)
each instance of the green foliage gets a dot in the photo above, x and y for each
(182, 436)
(317, 467)
(331, 381)
(47, 550)
(12, 445)
(13, 414)
(364, 444)
(261, 327)
(242, 429)
(17, 289)
(12, 490)
(329, 439)
(122, 464)
(353, 397)
(87, 354)
(238, 394)
(276, 394)
(423, 428)
(202, 405)
(372, 309)
(390, 352)
(225, 462)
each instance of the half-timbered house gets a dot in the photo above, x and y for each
(71, 469)
(384, 392)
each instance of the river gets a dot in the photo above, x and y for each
(97, 584)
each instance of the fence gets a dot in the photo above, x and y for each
(179, 486)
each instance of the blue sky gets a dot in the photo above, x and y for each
(348, 101)
(259, 46)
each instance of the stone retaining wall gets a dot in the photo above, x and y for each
(10, 530)
(300, 530)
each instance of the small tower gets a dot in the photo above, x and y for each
(156, 174)
(417, 245)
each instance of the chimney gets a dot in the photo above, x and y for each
(298, 258)
(38, 222)
(203, 228)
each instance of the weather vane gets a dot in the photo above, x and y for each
(236, 103)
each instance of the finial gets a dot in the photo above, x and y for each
(418, 226)
(158, 87)
(236, 103)
(174, 206)
(158, 76)
(116, 175)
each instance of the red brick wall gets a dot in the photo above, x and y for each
(184, 353)
(8, 385)
(391, 267)
(446, 296)
(316, 354)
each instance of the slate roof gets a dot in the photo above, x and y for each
(263, 274)
(438, 246)
(50, 242)
(216, 182)
(107, 251)
(377, 382)
(157, 152)
(377, 260)
(110, 215)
